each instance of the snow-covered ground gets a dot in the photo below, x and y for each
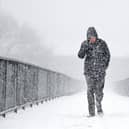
(69, 112)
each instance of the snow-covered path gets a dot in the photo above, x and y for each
(69, 112)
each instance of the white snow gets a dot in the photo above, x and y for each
(69, 112)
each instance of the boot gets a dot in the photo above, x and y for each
(100, 112)
(90, 115)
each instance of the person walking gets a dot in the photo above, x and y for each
(97, 58)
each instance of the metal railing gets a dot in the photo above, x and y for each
(23, 84)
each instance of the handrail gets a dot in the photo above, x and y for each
(23, 84)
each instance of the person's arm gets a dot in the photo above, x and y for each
(82, 50)
(107, 54)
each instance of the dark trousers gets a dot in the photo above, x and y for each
(94, 92)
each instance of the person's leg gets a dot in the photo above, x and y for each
(99, 94)
(91, 102)
(90, 96)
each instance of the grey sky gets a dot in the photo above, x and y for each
(62, 24)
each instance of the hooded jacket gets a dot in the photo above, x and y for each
(97, 55)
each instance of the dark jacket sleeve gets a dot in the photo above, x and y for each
(82, 50)
(107, 54)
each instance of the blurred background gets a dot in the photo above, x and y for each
(49, 33)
